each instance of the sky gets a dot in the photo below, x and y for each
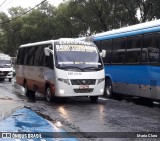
(6, 4)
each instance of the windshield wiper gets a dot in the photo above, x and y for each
(71, 67)
(93, 68)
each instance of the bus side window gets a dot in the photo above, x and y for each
(133, 54)
(26, 50)
(144, 57)
(31, 55)
(39, 56)
(99, 45)
(119, 46)
(107, 45)
(49, 61)
(151, 44)
(42, 58)
(21, 53)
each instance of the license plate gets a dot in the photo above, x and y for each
(83, 86)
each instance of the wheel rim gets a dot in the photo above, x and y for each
(48, 94)
(108, 89)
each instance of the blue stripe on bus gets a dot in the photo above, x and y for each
(134, 74)
(126, 34)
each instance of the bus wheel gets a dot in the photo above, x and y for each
(10, 79)
(93, 98)
(108, 89)
(28, 93)
(48, 94)
(26, 90)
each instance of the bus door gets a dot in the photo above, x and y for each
(45, 71)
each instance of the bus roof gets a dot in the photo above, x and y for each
(38, 43)
(52, 41)
(137, 29)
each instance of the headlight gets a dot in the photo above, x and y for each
(64, 80)
(100, 80)
(101, 90)
(61, 91)
(10, 73)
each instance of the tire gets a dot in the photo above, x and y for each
(28, 93)
(108, 89)
(94, 98)
(48, 94)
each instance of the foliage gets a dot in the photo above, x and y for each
(73, 18)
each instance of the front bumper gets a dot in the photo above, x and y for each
(6, 75)
(65, 90)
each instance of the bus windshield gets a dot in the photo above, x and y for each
(77, 56)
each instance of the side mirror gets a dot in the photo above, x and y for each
(103, 53)
(47, 51)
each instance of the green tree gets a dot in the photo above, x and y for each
(3, 37)
(73, 18)
(154, 10)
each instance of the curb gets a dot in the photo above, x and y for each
(8, 113)
(8, 104)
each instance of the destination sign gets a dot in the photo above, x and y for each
(81, 48)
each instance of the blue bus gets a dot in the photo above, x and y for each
(132, 62)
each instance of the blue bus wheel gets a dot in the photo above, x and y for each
(108, 88)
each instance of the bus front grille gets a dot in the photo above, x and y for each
(4, 73)
(83, 90)
(83, 81)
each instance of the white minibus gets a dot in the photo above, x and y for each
(6, 68)
(62, 68)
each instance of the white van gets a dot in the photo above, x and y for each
(62, 68)
(6, 68)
